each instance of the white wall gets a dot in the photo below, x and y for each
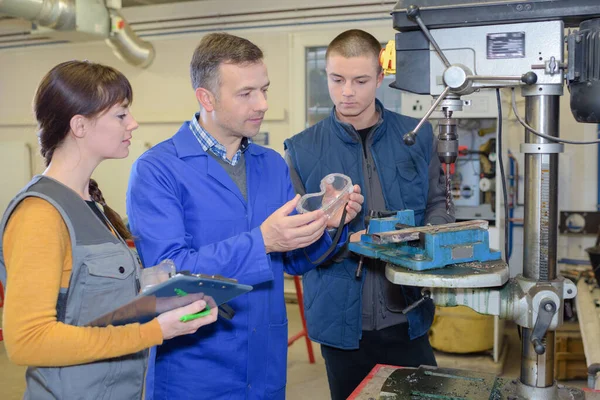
(15, 162)
(163, 97)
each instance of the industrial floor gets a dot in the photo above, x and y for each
(305, 381)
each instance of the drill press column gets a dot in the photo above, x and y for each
(540, 230)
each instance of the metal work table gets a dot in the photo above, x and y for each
(371, 387)
(588, 313)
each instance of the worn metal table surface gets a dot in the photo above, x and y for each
(588, 314)
(371, 387)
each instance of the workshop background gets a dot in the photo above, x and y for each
(293, 36)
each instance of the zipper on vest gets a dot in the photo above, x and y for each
(369, 171)
(366, 156)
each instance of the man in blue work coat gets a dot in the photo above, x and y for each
(215, 203)
(357, 315)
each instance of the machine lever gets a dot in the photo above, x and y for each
(410, 137)
(426, 296)
(544, 319)
(413, 12)
(359, 267)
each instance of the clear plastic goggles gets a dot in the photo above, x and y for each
(334, 194)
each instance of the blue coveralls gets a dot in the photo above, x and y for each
(182, 205)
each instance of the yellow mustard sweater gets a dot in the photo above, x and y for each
(37, 254)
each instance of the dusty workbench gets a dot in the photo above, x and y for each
(588, 313)
(370, 387)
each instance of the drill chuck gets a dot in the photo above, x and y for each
(447, 147)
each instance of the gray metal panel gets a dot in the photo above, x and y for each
(412, 60)
(468, 46)
(446, 13)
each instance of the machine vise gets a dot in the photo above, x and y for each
(398, 241)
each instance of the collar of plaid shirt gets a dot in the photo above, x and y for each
(210, 143)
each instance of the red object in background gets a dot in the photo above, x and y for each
(463, 150)
(121, 24)
(445, 168)
(303, 332)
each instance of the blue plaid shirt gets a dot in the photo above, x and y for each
(210, 143)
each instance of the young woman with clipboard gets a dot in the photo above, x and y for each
(65, 261)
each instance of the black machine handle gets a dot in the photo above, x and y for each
(426, 296)
(544, 319)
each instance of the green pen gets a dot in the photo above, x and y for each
(191, 317)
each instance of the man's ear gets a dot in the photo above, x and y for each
(380, 78)
(206, 99)
(78, 125)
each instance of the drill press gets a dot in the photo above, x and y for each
(449, 49)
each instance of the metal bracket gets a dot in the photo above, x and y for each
(542, 148)
(551, 66)
(522, 300)
(532, 295)
(539, 90)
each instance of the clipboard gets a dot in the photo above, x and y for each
(164, 297)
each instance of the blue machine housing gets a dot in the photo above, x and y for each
(432, 250)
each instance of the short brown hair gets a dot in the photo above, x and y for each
(216, 49)
(354, 43)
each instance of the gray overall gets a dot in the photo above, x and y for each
(104, 276)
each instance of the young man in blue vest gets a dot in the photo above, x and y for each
(358, 321)
(216, 203)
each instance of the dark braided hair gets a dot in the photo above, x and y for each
(112, 215)
(78, 88)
